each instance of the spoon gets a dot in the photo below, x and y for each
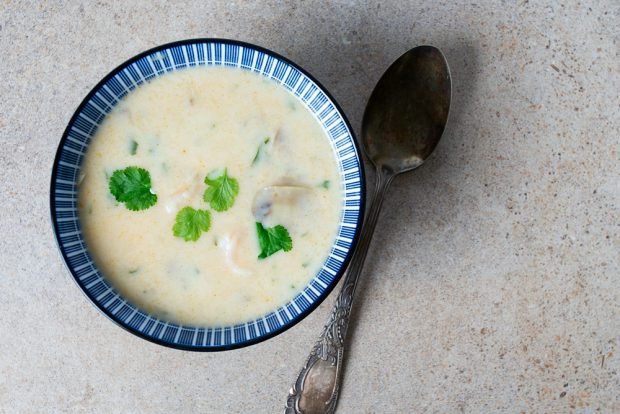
(403, 122)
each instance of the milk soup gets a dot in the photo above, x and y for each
(209, 196)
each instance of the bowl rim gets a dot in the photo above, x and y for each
(249, 341)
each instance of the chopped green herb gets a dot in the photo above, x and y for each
(272, 240)
(132, 186)
(190, 223)
(133, 147)
(304, 265)
(134, 271)
(256, 156)
(221, 191)
(260, 150)
(164, 167)
(325, 184)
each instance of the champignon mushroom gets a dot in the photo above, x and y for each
(280, 200)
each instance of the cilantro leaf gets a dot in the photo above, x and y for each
(132, 186)
(191, 223)
(272, 240)
(221, 191)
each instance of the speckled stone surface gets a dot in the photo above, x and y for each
(493, 282)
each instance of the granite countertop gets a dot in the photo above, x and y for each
(493, 281)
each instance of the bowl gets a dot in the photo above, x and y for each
(129, 76)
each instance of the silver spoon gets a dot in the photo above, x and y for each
(403, 122)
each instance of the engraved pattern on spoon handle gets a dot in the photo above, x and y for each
(327, 354)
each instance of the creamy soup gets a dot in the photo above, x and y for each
(209, 196)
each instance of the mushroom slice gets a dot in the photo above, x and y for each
(278, 199)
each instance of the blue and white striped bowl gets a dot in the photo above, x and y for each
(158, 62)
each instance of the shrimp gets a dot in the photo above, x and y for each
(189, 189)
(230, 244)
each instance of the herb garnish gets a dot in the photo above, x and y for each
(132, 186)
(272, 240)
(260, 150)
(191, 223)
(221, 191)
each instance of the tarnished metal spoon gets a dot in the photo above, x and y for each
(403, 122)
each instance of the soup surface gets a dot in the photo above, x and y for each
(209, 196)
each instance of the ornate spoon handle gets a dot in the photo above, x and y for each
(317, 386)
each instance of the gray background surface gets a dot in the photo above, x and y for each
(493, 282)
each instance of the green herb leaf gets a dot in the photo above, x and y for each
(272, 240)
(221, 191)
(325, 184)
(190, 223)
(257, 155)
(133, 147)
(260, 150)
(132, 186)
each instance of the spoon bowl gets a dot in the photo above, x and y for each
(408, 110)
